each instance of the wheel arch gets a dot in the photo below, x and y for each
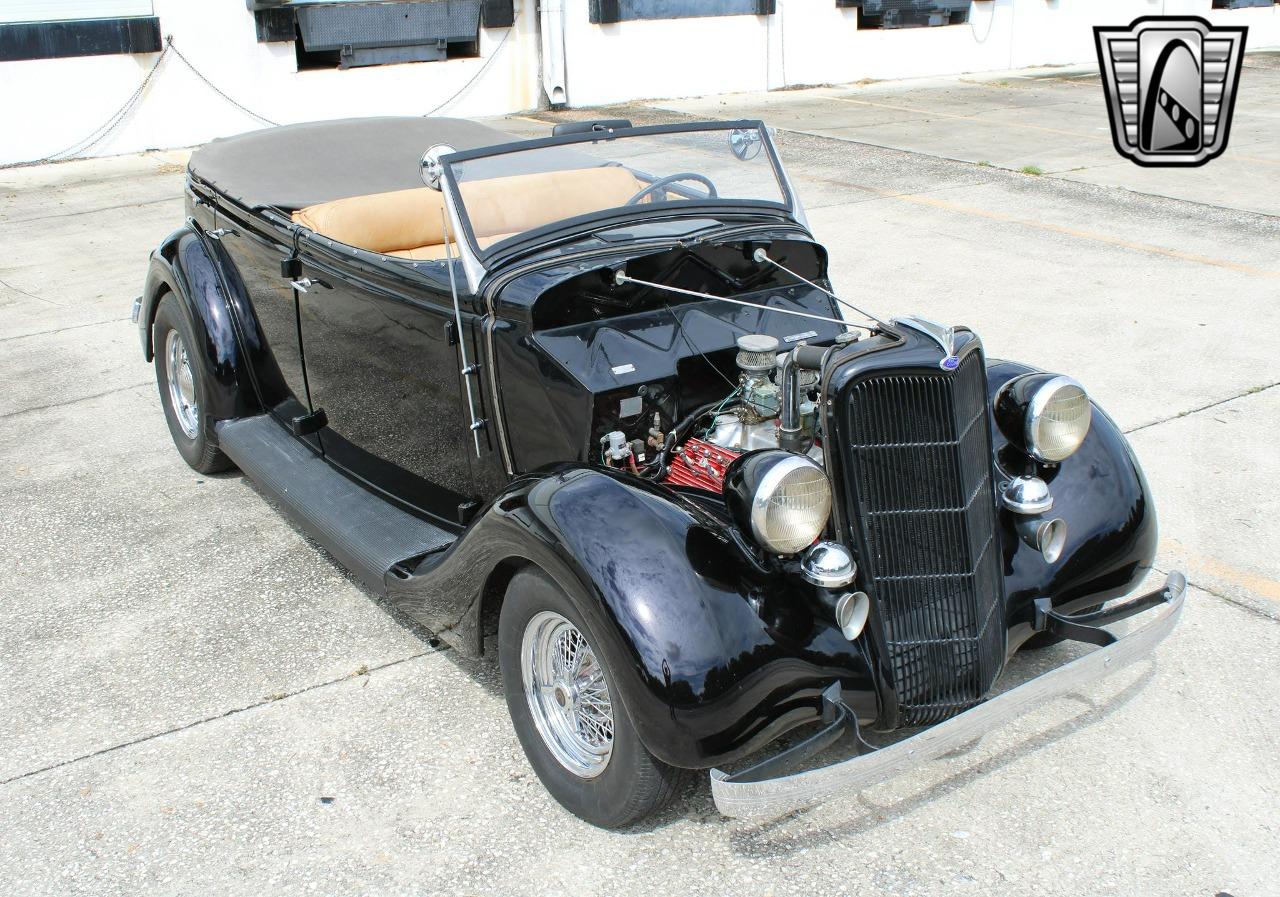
(713, 654)
(493, 592)
(187, 267)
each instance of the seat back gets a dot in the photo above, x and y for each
(380, 222)
(408, 222)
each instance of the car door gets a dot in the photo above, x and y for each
(381, 359)
(255, 252)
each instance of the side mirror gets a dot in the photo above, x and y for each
(432, 170)
(745, 143)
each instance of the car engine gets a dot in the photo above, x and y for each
(697, 451)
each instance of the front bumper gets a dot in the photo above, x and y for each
(759, 792)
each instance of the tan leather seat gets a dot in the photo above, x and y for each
(381, 222)
(407, 223)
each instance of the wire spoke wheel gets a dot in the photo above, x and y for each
(182, 384)
(567, 694)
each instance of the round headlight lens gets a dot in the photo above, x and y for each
(790, 504)
(1058, 418)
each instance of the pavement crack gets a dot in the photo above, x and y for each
(234, 711)
(1222, 596)
(96, 395)
(21, 291)
(127, 205)
(7, 339)
(1251, 391)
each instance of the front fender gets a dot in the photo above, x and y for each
(1102, 494)
(712, 654)
(195, 271)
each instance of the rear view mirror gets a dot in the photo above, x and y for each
(745, 143)
(432, 170)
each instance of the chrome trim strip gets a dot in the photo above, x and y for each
(476, 423)
(774, 797)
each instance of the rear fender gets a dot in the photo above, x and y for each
(198, 273)
(712, 652)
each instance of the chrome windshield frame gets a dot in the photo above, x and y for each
(477, 263)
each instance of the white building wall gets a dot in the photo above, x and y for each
(810, 42)
(46, 105)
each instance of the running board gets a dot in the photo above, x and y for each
(366, 534)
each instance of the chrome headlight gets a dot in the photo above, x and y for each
(1047, 415)
(783, 499)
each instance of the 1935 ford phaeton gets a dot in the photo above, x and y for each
(597, 387)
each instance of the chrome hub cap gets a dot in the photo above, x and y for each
(567, 694)
(182, 384)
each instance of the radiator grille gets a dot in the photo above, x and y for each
(921, 474)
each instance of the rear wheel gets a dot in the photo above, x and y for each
(570, 721)
(183, 389)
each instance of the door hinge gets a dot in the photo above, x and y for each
(451, 333)
(306, 424)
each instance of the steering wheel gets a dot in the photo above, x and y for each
(657, 185)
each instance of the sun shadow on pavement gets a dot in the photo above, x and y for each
(781, 836)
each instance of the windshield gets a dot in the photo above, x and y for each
(502, 195)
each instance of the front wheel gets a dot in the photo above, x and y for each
(570, 720)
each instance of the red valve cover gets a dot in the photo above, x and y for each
(701, 465)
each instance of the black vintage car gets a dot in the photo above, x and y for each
(596, 391)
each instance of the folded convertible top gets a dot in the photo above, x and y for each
(296, 166)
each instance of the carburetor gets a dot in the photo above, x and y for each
(757, 360)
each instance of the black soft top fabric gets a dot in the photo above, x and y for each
(296, 166)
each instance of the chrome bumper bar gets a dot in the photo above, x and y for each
(753, 792)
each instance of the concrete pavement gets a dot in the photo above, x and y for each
(1052, 119)
(198, 700)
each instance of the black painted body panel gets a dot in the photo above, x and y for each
(382, 361)
(713, 653)
(716, 649)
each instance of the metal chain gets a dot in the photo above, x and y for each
(476, 76)
(195, 71)
(102, 132)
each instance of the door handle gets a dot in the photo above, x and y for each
(306, 283)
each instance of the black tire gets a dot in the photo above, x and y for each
(1046, 640)
(198, 448)
(633, 784)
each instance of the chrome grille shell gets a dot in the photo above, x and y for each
(914, 450)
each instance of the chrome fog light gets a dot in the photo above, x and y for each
(1027, 495)
(851, 613)
(828, 565)
(1048, 537)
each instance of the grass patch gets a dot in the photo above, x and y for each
(984, 164)
(1031, 169)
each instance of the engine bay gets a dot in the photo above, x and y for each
(695, 451)
(673, 378)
